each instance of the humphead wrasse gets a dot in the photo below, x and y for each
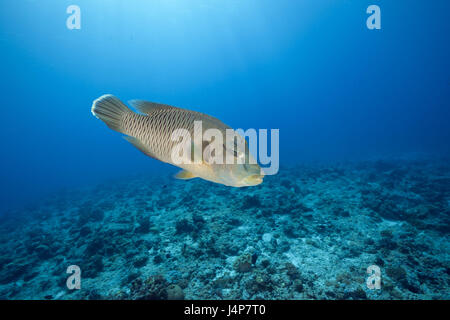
(151, 131)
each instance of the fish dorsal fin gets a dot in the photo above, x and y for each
(185, 175)
(140, 146)
(148, 107)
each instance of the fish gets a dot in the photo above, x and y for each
(151, 130)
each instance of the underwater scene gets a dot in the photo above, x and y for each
(225, 150)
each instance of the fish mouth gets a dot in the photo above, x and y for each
(253, 180)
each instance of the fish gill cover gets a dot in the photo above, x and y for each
(354, 101)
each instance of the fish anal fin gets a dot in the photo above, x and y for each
(185, 175)
(140, 146)
(148, 107)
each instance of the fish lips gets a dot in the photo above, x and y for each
(253, 180)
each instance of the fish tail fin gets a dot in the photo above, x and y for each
(110, 110)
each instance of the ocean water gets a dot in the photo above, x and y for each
(360, 205)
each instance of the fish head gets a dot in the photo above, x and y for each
(238, 167)
(249, 175)
(240, 175)
(245, 174)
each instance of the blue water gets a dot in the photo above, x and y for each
(336, 90)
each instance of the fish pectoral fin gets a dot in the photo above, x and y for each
(185, 175)
(147, 107)
(140, 146)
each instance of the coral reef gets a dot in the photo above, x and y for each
(309, 232)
